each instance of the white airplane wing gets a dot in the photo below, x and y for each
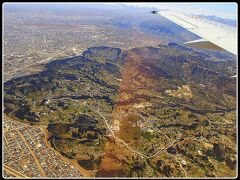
(215, 35)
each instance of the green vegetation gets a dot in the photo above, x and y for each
(169, 105)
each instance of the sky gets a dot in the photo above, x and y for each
(222, 10)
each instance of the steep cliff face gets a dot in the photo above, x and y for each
(168, 67)
(104, 52)
(155, 71)
(179, 64)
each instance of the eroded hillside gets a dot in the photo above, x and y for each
(144, 112)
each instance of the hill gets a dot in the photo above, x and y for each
(141, 112)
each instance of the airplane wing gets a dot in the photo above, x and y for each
(215, 35)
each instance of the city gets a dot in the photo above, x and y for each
(28, 155)
(118, 90)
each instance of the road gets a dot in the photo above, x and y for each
(124, 143)
(33, 154)
(13, 172)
